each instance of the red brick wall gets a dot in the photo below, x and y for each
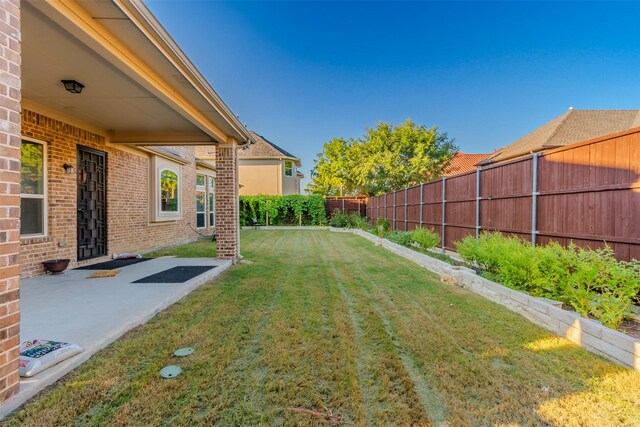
(9, 196)
(128, 225)
(227, 225)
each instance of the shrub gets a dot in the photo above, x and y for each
(593, 282)
(425, 238)
(382, 227)
(343, 220)
(283, 209)
(400, 237)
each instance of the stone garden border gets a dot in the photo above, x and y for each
(587, 333)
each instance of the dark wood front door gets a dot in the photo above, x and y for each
(92, 208)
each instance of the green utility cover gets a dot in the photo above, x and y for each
(170, 371)
(185, 351)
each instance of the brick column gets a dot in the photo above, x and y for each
(9, 196)
(227, 201)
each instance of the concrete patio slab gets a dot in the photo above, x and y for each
(95, 312)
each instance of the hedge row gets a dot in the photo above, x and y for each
(283, 210)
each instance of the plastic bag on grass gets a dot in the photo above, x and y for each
(38, 355)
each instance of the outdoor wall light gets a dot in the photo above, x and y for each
(72, 86)
(68, 169)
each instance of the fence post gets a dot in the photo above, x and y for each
(394, 210)
(406, 203)
(444, 208)
(421, 198)
(266, 204)
(385, 207)
(343, 206)
(534, 198)
(477, 202)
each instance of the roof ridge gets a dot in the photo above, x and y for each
(555, 131)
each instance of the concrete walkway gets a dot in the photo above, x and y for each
(95, 312)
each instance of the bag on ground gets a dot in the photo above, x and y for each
(38, 355)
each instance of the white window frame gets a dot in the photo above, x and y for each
(285, 168)
(45, 193)
(211, 191)
(159, 188)
(202, 189)
(157, 166)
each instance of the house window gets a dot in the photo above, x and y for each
(33, 185)
(165, 190)
(212, 202)
(201, 206)
(169, 191)
(288, 168)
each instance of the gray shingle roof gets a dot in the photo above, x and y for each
(569, 128)
(263, 148)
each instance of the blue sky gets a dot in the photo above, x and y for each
(301, 73)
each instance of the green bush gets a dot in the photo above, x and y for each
(382, 227)
(342, 220)
(283, 210)
(425, 238)
(593, 282)
(400, 237)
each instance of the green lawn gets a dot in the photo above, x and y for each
(328, 321)
(202, 248)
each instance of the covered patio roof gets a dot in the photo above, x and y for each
(140, 88)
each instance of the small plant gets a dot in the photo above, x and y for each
(425, 238)
(400, 237)
(383, 226)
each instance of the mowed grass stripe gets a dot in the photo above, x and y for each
(389, 393)
(328, 321)
(496, 376)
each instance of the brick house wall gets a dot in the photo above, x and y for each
(128, 175)
(10, 87)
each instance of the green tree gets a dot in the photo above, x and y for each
(385, 158)
(331, 174)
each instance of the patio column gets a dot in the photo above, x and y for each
(9, 196)
(227, 200)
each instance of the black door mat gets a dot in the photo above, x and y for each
(113, 264)
(176, 274)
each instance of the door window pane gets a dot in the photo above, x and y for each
(31, 168)
(31, 216)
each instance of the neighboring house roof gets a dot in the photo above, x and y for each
(264, 149)
(463, 162)
(569, 128)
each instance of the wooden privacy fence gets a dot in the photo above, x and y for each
(347, 204)
(588, 193)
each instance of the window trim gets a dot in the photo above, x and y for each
(285, 168)
(45, 193)
(211, 191)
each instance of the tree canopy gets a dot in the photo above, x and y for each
(384, 159)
